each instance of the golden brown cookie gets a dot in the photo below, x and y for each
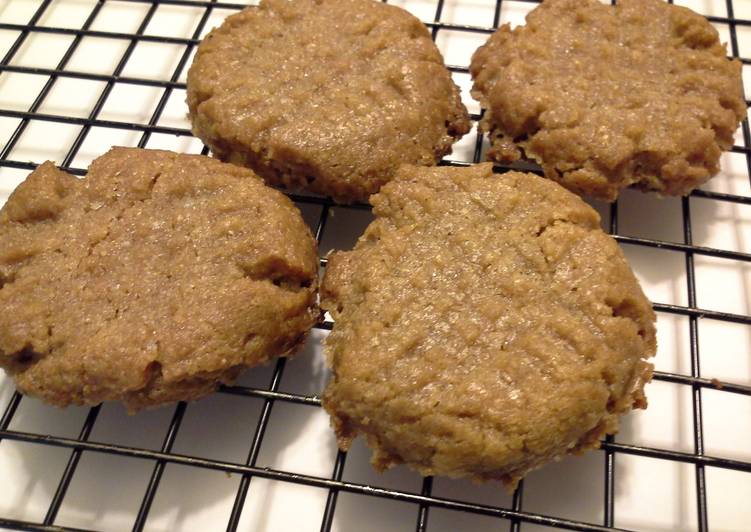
(324, 95)
(604, 97)
(484, 325)
(154, 279)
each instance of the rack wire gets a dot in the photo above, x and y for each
(424, 501)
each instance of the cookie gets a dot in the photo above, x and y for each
(329, 96)
(484, 325)
(604, 97)
(154, 279)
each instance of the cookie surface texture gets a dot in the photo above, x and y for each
(604, 97)
(484, 325)
(152, 280)
(324, 95)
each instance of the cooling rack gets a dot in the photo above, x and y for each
(78, 76)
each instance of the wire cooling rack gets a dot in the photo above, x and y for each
(78, 76)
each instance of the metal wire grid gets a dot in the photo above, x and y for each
(249, 470)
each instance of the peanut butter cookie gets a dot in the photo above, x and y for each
(485, 325)
(603, 97)
(324, 95)
(152, 280)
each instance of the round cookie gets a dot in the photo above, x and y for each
(154, 279)
(604, 97)
(484, 325)
(324, 95)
